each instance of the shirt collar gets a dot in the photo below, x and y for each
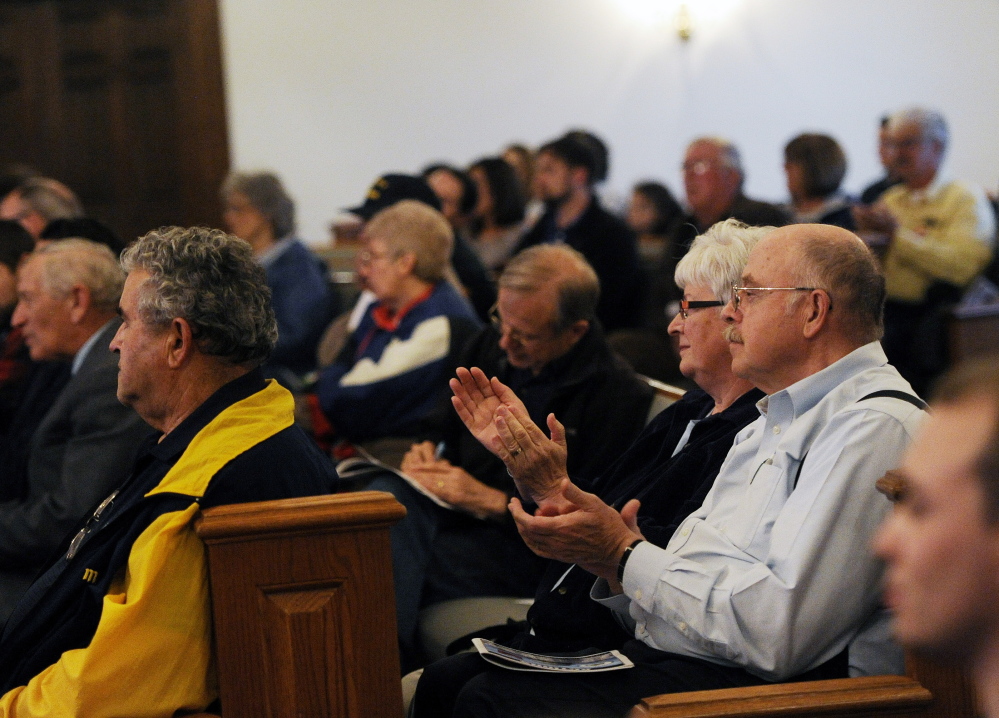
(177, 440)
(387, 320)
(930, 191)
(275, 250)
(805, 394)
(85, 349)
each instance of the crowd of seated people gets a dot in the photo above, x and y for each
(726, 543)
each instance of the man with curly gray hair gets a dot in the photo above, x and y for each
(196, 326)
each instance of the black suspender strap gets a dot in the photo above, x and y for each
(895, 394)
(891, 394)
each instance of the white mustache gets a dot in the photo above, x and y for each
(732, 335)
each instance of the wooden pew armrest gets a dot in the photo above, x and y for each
(853, 697)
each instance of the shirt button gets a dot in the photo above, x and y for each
(685, 532)
(682, 626)
(638, 595)
(776, 429)
(562, 590)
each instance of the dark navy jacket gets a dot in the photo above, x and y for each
(61, 611)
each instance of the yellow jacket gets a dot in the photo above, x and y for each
(151, 654)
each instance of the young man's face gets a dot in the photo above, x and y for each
(941, 550)
(552, 178)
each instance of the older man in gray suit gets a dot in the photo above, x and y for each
(67, 309)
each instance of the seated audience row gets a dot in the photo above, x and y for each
(776, 551)
(771, 579)
(670, 466)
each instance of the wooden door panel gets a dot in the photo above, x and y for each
(121, 100)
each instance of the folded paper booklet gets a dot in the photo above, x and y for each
(365, 466)
(523, 661)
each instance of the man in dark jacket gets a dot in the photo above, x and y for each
(83, 444)
(564, 176)
(547, 345)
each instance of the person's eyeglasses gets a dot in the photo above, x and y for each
(366, 257)
(686, 306)
(749, 293)
(696, 168)
(516, 336)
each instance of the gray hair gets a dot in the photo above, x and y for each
(728, 152)
(564, 268)
(210, 279)
(50, 198)
(412, 227)
(931, 123)
(839, 262)
(267, 195)
(75, 262)
(717, 257)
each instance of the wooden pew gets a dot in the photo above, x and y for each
(928, 690)
(303, 606)
(973, 331)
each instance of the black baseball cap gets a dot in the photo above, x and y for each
(389, 189)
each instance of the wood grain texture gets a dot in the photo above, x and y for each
(974, 335)
(122, 101)
(854, 697)
(304, 607)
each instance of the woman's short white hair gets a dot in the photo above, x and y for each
(717, 257)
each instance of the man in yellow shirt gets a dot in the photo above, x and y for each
(939, 235)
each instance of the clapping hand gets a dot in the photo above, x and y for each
(499, 420)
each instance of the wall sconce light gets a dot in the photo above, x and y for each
(684, 28)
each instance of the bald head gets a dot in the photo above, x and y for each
(810, 295)
(838, 261)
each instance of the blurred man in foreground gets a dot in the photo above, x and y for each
(941, 542)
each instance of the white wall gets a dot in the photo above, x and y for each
(331, 93)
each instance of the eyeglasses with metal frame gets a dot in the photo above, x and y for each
(737, 290)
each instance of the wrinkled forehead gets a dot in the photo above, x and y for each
(703, 152)
(30, 271)
(905, 131)
(528, 309)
